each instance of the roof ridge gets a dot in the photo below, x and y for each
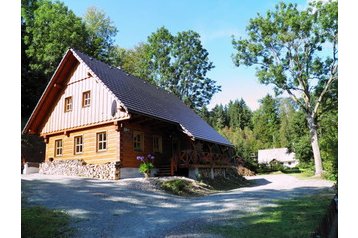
(141, 96)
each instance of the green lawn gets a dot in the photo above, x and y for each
(296, 217)
(38, 222)
(41, 222)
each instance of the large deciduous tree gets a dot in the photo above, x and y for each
(191, 64)
(51, 30)
(101, 33)
(296, 51)
(178, 63)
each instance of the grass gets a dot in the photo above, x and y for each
(192, 188)
(224, 184)
(41, 222)
(186, 188)
(300, 173)
(296, 217)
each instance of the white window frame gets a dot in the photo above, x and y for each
(68, 104)
(58, 148)
(86, 99)
(78, 145)
(102, 143)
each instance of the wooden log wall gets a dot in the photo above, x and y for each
(89, 154)
(127, 153)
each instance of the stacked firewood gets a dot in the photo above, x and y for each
(109, 171)
(243, 171)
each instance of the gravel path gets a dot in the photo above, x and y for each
(135, 208)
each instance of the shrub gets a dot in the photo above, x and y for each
(178, 187)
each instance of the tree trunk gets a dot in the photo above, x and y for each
(315, 146)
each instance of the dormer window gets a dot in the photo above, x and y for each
(86, 99)
(68, 104)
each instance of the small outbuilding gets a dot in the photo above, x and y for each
(282, 155)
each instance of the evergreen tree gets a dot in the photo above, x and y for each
(266, 122)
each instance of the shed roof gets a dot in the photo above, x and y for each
(142, 97)
(280, 154)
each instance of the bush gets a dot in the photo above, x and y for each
(177, 186)
(291, 170)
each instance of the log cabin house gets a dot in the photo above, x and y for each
(99, 113)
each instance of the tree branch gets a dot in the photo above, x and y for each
(326, 87)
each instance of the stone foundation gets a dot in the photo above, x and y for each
(109, 171)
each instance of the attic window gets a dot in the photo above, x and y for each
(68, 104)
(86, 99)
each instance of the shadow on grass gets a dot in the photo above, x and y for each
(297, 217)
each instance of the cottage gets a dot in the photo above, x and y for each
(281, 155)
(98, 113)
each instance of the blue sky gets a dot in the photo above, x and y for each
(215, 20)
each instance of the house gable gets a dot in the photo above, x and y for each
(51, 116)
(100, 108)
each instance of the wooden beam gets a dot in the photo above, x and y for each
(117, 125)
(142, 121)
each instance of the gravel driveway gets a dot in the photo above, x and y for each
(134, 208)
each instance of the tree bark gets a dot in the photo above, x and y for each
(315, 146)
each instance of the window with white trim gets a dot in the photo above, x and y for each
(138, 141)
(101, 141)
(68, 104)
(78, 144)
(58, 147)
(86, 99)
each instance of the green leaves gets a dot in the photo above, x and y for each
(101, 33)
(178, 63)
(285, 42)
(48, 29)
(295, 51)
(51, 31)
